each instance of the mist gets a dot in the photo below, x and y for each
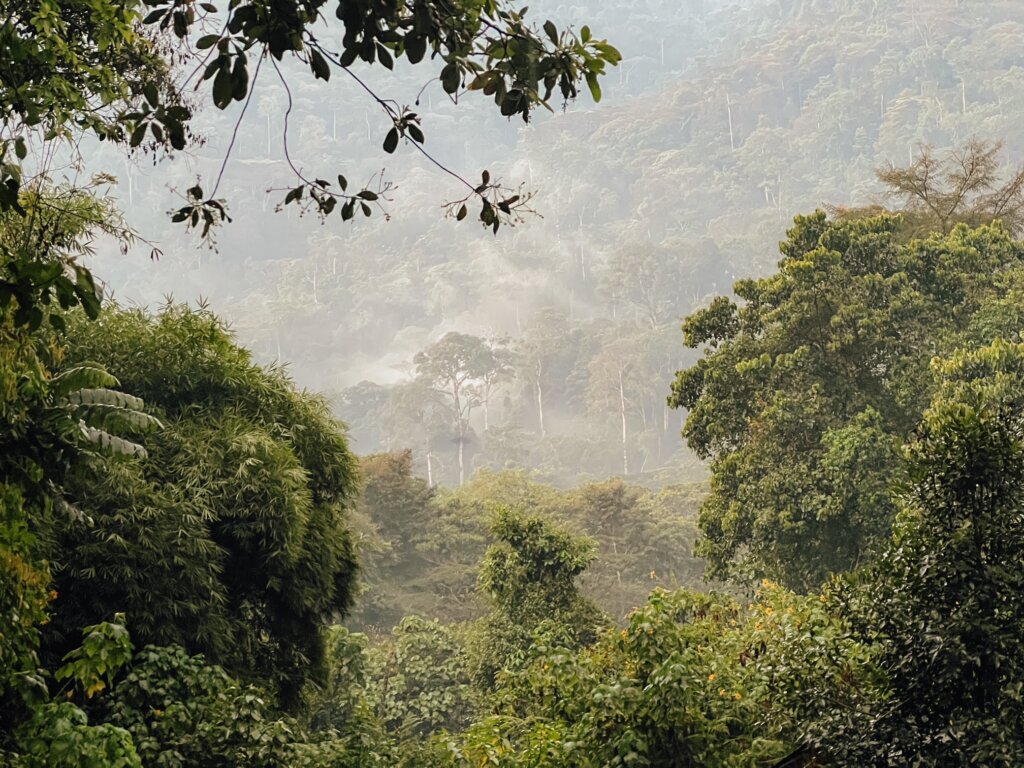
(723, 121)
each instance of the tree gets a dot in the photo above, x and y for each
(808, 387)
(943, 604)
(529, 575)
(963, 186)
(247, 485)
(57, 419)
(398, 507)
(461, 369)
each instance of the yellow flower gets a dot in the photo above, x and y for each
(53, 594)
(789, 610)
(769, 611)
(722, 692)
(711, 677)
(737, 695)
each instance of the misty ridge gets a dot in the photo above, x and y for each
(723, 121)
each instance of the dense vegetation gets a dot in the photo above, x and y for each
(196, 568)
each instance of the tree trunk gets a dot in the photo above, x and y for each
(462, 444)
(622, 413)
(540, 402)
(732, 135)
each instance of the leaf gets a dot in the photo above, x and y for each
(104, 396)
(368, 195)
(450, 77)
(391, 141)
(84, 375)
(552, 31)
(463, 211)
(222, 86)
(113, 444)
(585, 34)
(207, 41)
(138, 134)
(415, 133)
(240, 79)
(415, 48)
(321, 69)
(594, 85)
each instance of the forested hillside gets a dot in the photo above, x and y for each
(673, 405)
(724, 121)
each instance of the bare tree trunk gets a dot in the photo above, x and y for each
(462, 444)
(540, 402)
(430, 469)
(732, 136)
(622, 413)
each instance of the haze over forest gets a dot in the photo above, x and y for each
(724, 120)
(679, 425)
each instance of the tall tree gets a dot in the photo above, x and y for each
(808, 387)
(530, 574)
(232, 539)
(964, 185)
(458, 367)
(943, 606)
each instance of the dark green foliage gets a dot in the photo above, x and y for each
(944, 603)
(246, 485)
(529, 576)
(421, 681)
(181, 711)
(808, 387)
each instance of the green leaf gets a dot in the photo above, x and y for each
(83, 375)
(594, 85)
(207, 41)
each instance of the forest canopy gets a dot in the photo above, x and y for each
(496, 550)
